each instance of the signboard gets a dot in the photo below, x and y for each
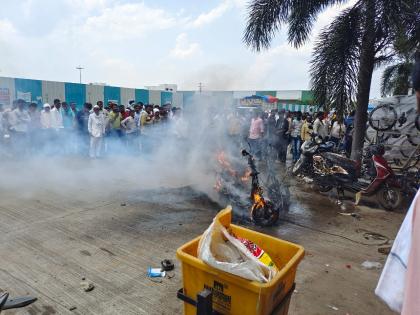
(252, 101)
(5, 96)
(26, 96)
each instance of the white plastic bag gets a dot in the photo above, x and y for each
(231, 256)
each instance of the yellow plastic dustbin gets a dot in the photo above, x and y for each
(235, 295)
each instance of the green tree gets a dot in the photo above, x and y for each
(347, 50)
(396, 78)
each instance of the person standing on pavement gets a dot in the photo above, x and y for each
(320, 129)
(47, 132)
(272, 141)
(96, 128)
(338, 130)
(57, 115)
(82, 119)
(305, 130)
(296, 126)
(282, 127)
(130, 131)
(34, 127)
(256, 133)
(19, 120)
(68, 128)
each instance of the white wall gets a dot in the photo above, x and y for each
(94, 93)
(289, 95)
(52, 90)
(127, 95)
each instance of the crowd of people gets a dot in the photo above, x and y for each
(98, 130)
(282, 131)
(94, 131)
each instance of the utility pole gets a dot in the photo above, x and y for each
(200, 87)
(80, 73)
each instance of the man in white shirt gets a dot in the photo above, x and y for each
(45, 118)
(320, 128)
(96, 128)
(19, 120)
(57, 115)
(130, 131)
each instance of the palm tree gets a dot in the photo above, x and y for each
(347, 50)
(396, 78)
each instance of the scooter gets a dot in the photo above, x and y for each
(329, 170)
(309, 148)
(7, 304)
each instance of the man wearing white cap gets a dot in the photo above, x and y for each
(46, 117)
(96, 127)
(47, 132)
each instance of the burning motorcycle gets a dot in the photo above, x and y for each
(232, 183)
(329, 170)
(263, 210)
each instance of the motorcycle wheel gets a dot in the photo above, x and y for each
(297, 168)
(265, 216)
(389, 198)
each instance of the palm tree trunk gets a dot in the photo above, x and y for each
(367, 61)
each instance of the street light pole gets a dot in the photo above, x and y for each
(80, 73)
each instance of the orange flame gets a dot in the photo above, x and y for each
(259, 202)
(218, 185)
(221, 158)
(246, 176)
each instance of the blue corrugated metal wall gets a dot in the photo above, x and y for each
(75, 92)
(112, 93)
(142, 96)
(32, 86)
(165, 98)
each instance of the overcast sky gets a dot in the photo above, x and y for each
(136, 43)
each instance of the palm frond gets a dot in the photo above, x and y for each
(387, 79)
(334, 64)
(396, 79)
(265, 17)
(303, 14)
(399, 19)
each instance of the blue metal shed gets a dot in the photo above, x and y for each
(75, 92)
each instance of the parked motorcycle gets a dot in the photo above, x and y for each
(330, 170)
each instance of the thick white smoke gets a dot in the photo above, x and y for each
(181, 152)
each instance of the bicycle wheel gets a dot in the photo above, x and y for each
(383, 117)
